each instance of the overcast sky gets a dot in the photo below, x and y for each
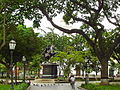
(59, 21)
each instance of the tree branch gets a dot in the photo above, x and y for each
(116, 57)
(114, 23)
(101, 2)
(67, 30)
(94, 16)
(88, 8)
(3, 43)
(82, 20)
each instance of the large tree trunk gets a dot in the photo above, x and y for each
(38, 73)
(83, 72)
(78, 72)
(104, 72)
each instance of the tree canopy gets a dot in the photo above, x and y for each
(27, 45)
(91, 13)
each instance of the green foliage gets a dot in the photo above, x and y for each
(67, 58)
(60, 56)
(19, 64)
(73, 57)
(66, 18)
(22, 86)
(88, 86)
(76, 56)
(35, 63)
(100, 87)
(4, 87)
(61, 78)
(91, 13)
(51, 38)
(62, 42)
(2, 68)
(27, 44)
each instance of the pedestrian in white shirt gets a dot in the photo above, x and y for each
(72, 81)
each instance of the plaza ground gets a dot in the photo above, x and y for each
(53, 86)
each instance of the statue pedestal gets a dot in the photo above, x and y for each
(49, 70)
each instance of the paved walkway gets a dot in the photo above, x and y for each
(53, 86)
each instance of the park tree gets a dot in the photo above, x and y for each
(28, 45)
(63, 41)
(34, 64)
(64, 51)
(67, 59)
(5, 20)
(79, 42)
(51, 38)
(91, 13)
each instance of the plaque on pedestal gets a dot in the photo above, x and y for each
(49, 70)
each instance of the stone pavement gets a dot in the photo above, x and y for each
(53, 86)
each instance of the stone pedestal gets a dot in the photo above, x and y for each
(49, 70)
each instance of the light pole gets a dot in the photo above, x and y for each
(24, 60)
(86, 73)
(12, 45)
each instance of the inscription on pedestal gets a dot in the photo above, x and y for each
(49, 70)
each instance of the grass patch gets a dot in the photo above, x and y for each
(100, 87)
(22, 86)
(4, 87)
(61, 78)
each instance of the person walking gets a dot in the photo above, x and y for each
(72, 81)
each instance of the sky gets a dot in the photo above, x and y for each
(46, 24)
(59, 21)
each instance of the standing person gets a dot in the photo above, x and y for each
(72, 81)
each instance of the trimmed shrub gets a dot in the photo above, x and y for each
(100, 87)
(89, 86)
(22, 86)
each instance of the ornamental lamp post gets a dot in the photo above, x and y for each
(86, 73)
(12, 45)
(24, 60)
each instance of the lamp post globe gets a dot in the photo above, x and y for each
(24, 60)
(12, 45)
